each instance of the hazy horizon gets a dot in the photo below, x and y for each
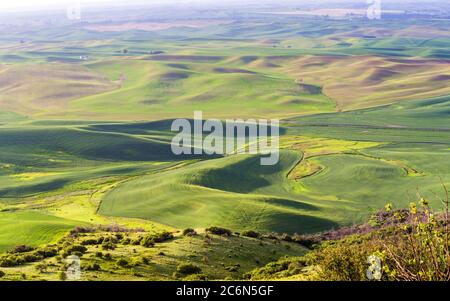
(52, 4)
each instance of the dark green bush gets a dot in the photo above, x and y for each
(41, 267)
(136, 241)
(122, 262)
(47, 252)
(92, 267)
(21, 249)
(251, 233)
(30, 257)
(15, 260)
(189, 232)
(161, 237)
(219, 231)
(92, 241)
(151, 239)
(125, 241)
(108, 245)
(305, 241)
(188, 269)
(278, 269)
(8, 261)
(147, 242)
(75, 250)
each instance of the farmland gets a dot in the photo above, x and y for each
(85, 131)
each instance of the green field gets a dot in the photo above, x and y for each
(86, 110)
(31, 228)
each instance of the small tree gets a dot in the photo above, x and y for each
(421, 250)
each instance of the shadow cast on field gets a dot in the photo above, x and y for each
(291, 204)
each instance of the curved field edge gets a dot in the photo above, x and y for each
(330, 185)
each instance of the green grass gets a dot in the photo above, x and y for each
(175, 87)
(251, 197)
(218, 258)
(41, 159)
(425, 114)
(91, 142)
(31, 228)
(351, 180)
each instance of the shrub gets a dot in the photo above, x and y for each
(21, 249)
(2, 274)
(92, 241)
(151, 239)
(75, 250)
(189, 232)
(272, 236)
(251, 233)
(416, 248)
(122, 262)
(305, 241)
(41, 267)
(345, 261)
(93, 267)
(145, 260)
(136, 241)
(219, 231)
(420, 251)
(30, 257)
(15, 260)
(112, 239)
(108, 245)
(147, 242)
(279, 269)
(6, 262)
(161, 237)
(47, 252)
(136, 261)
(78, 254)
(99, 254)
(188, 269)
(125, 241)
(286, 237)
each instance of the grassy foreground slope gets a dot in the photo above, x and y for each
(121, 258)
(31, 228)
